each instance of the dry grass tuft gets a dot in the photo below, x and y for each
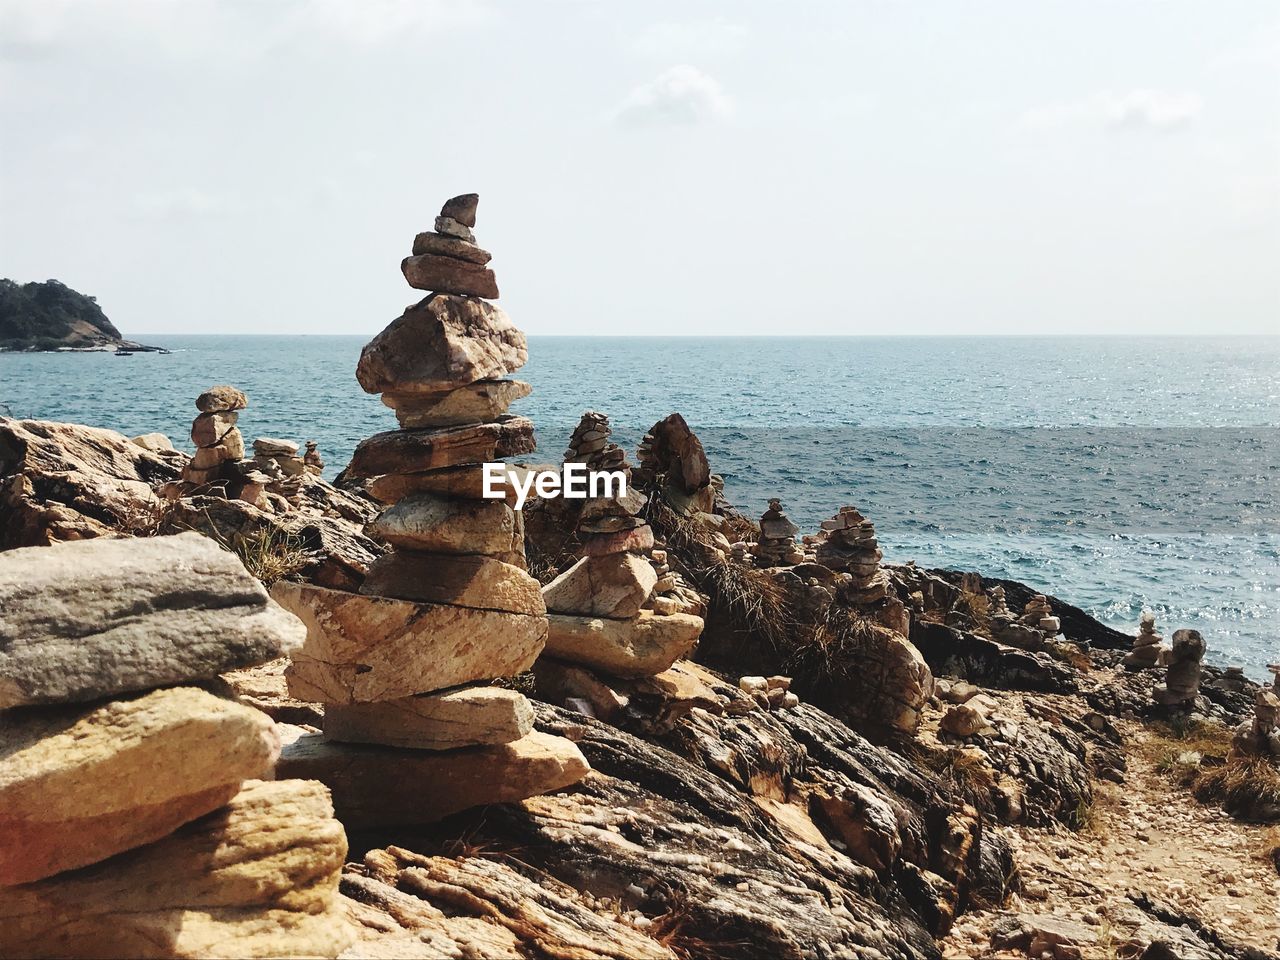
(146, 518)
(839, 648)
(1242, 784)
(966, 773)
(748, 599)
(270, 554)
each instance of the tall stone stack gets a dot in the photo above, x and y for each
(1182, 681)
(849, 545)
(1260, 737)
(1148, 650)
(138, 813)
(777, 544)
(216, 437)
(590, 444)
(407, 664)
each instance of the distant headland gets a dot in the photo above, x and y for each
(51, 316)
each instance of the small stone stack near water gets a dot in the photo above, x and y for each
(278, 460)
(849, 545)
(1182, 681)
(413, 728)
(590, 444)
(777, 544)
(1148, 650)
(1260, 737)
(312, 460)
(1038, 615)
(216, 437)
(140, 813)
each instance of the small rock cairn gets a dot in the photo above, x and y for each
(777, 544)
(1038, 614)
(139, 812)
(769, 693)
(312, 460)
(217, 438)
(278, 460)
(406, 663)
(848, 544)
(1182, 681)
(603, 610)
(1261, 736)
(1148, 650)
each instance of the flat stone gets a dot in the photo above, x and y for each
(464, 581)
(416, 451)
(361, 649)
(217, 399)
(78, 785)
(428, 785)
(273, 447)
(96, 618)
(257, 878)
(446, 246)
(452, 228)
(209, 429)
(153, 442)
(462, 208)
(441, 343)
(473, 716)
(475, 403)
(614, 586)
(449, 275)
(434, 524)
(637, 540)
(640, 647)
(464, 481)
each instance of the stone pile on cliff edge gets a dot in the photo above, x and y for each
(777, 544)
(140, 816)
(849, 545)
(1182, 680)
(216, 436)
(413, 728)
(1148, 651)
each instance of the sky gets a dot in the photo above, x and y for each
(693, 167)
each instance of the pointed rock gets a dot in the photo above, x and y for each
(462, 208)
(611, 586)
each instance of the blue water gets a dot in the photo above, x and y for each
(1114, 473)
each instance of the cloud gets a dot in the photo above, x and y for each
(183, 203)
(679, 95)
(671, 40)
(1140, 109)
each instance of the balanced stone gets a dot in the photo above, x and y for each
(223, 398)
(638, 540)
(272, 447)
(430, 785)
(257, 878)
(462, 208)
(464, 581)
(1182, 681)
(1147, 649)
(474, 403)
(362, 648)
(437, 525)
(442, 343)
(172, 610)
(209, 429)
(452, 228)
(78, 785)
(614, 586)
(465, 481)
(1261, 736)
(467, 717)
(416, 451)
(446, 246)
(639, 647)
(450, 275)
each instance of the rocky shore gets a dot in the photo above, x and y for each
(246, 712)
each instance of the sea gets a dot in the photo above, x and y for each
(1117, 473)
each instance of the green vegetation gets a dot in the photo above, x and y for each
(49, 315)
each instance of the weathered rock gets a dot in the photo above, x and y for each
(433, 524)
(415, 451)
(450, 275)
(452, 228)
(257, 878)
(103, 617)
(442, 245)
(464, 581)
(613, 586)
(636, 540)
(442, 343)
(639, 647)
(360, 649)
(154, 442)
(429, 785)
(120, 775)
(466, 717)
(463, 482)
(217, 399)
(477, 402)
(462, 208)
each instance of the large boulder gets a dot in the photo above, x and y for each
(414, 451)
(360, 649)
(441, 343)
(257, 878)
(102, 617)
(435, 524)
(78, 785)
(466, 717)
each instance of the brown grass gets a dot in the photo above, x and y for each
(965, 773)
(270, 554)
(1241, 784)
(146, 518)
(836, 648)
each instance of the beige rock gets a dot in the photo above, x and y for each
(438, 243)
(559, 682)
(416, 451)
(637, 540)
(441, 343)
(209, 428)
(434, 721)
(96, 618)
(450, 275)
(427, 785)
(257, 878)
(465, 581)
(475, 403)
(78, 785)
(639, 647)
(360, 648)
(154, 442)
(464, 482)
(616, 585)
(217, 399)
(432, 524)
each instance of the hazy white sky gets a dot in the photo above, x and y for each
(853, 166)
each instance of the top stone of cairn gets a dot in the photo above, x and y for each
(462, 208)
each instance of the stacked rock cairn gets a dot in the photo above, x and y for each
(408, 662)
(848, 544)
(141, 815)
(278, 460)
(1148, 650)
(312, 460)
(605, 611)
(1038, 615)
(1182, 680)
(777, 544)
(1261, 736)
(217, 439)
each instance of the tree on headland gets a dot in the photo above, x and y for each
(49, 315)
